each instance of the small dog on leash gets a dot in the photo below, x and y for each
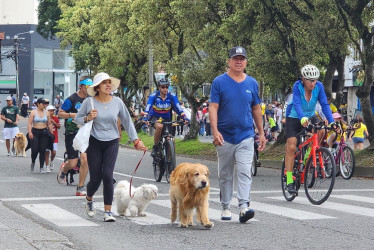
(20, 143)
(141, 197)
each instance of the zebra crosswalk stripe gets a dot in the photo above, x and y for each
(58, 216)
(284, 211)
(150, 219)
(334, 206)
(354, 198)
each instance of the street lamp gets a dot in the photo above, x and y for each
(16, 50)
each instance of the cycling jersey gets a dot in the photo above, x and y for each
(156, 107)
(300, 107)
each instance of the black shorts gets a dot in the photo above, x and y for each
(72, 153)
(293, 127)
(154, 119)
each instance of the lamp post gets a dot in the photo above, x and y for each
(16, 58)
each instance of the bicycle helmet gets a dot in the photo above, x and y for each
(310, 72)
(163, 81)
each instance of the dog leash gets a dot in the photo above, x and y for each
(135, 172)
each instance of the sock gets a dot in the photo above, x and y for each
(289, 177)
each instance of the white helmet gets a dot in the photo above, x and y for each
(310, 72)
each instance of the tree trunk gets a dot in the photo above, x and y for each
(340, 68)
(194, 126)
(327, 82)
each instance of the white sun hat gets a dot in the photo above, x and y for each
(99, 77)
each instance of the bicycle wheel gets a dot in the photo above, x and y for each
(254, 164)
(169, 158)
(320, 179)
(347, 163)
(158, 165)
(286, 194)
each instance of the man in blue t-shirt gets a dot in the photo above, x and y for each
(68, 111)
(234, 103)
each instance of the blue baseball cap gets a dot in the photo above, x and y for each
(237, 51)
(87, 82)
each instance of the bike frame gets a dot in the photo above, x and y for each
(314, 148)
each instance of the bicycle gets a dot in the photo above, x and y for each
(164, 161)
(318, 176)
(344, 157)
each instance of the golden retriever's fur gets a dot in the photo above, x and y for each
(20, 143)
(189, 189)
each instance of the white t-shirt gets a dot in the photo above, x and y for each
(25, 100)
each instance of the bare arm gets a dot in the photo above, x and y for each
(217, 136)
(29, 124)
(49, 123)
(65, 115)
(257, 116)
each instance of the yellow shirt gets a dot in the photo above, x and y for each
(339, 136)
(263, 107)
(333, 108)
(360, 131)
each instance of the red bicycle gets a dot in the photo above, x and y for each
(318, 174)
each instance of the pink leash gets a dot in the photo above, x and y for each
(135, 172)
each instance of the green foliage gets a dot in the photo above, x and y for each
(48, 15)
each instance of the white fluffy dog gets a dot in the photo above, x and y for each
(142, 196)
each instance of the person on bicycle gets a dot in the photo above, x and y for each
(159, 105)
(306, 91)
(68, 111)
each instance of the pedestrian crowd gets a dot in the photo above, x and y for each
(95, 103)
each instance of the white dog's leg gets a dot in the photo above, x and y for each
(133, 210)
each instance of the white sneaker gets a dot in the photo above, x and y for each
(90, 209)
(48, 169)
(108, 216)
(42, 170)
(51, 165)
(226, 214)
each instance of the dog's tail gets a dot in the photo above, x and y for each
(121, 185)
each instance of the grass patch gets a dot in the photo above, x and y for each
(364, 158)
(275, 152)
(190, 147)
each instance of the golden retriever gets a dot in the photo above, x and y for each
(20, 143)
(189, 189)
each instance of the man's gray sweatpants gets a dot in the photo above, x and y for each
(241, 156)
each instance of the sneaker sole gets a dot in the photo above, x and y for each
(247, 216)
(225, 218)
(79, 194)
(110, 220)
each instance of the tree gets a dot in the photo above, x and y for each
(357, 16)
(48, 15)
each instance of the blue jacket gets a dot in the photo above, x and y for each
(300, 107)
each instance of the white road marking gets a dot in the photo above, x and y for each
(354, 198)
(284, 211)
(333, 206)
(58, 216)
(214, 214)
(150, 219)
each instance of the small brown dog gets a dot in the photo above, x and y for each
(189, 189)
(20, 143)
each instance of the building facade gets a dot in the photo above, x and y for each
(44, 70)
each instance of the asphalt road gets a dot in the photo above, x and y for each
(38, 213)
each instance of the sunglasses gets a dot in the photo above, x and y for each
(164, 86)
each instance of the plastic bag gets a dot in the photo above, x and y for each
(82, 138)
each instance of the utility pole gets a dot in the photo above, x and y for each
(16, 59)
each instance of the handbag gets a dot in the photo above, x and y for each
(81, 139)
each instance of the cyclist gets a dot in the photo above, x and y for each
(159, 105)
(68, 111)
(306, 92)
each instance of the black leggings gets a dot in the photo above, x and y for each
(101, 157)
(39, 145)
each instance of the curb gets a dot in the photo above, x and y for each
(359, 171)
